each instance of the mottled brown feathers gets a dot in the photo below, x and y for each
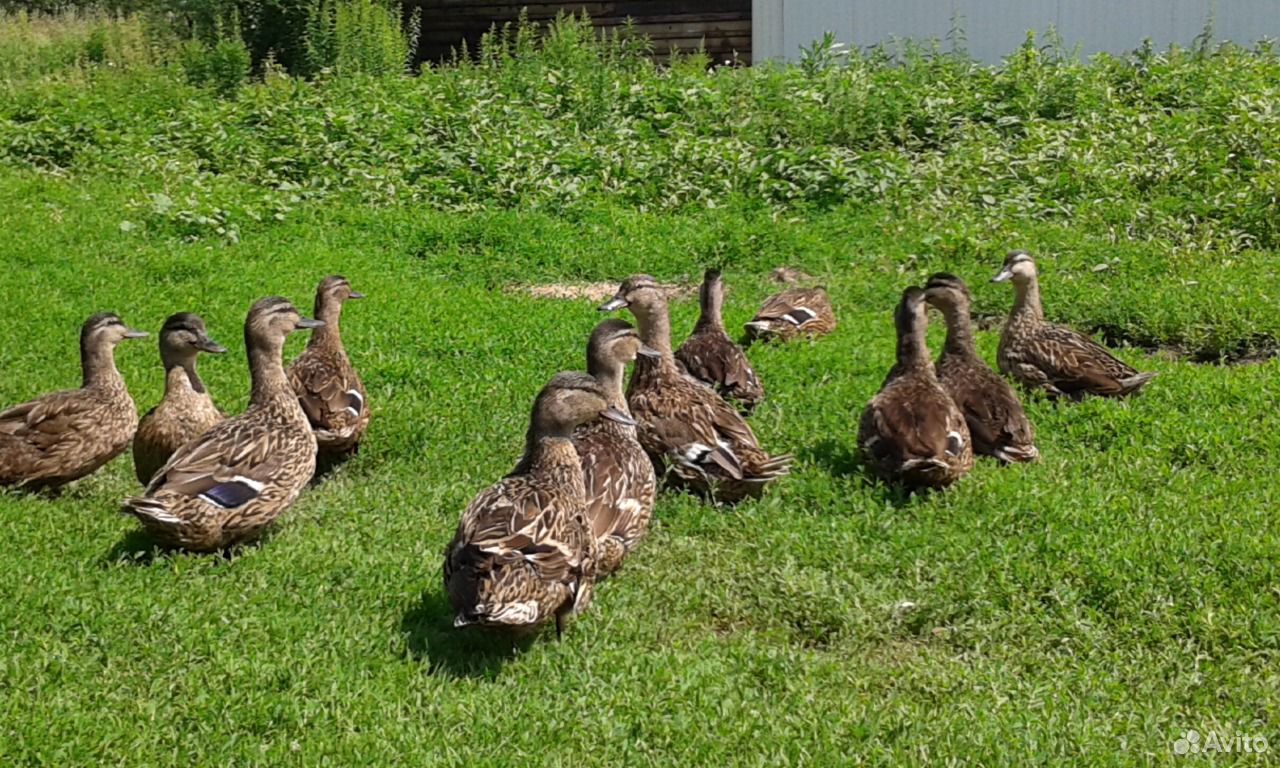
(710, 356)
(794, 312)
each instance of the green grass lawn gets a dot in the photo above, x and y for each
(1087, 609)
(1091, 606)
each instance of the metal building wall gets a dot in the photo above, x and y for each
(994, 28)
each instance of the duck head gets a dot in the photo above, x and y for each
(273, 318)
(183, 336)
(1018, 266)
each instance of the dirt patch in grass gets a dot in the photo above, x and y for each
(596, 291)
(1250, 350)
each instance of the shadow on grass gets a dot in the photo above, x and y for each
(137, 547)
(473, 652)
(840, 459)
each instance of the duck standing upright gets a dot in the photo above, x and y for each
(617, 474)
(523, 553)
(226, 486)
(686, 428)
(186, 411)
(911, 432)
(710, 356)
(997, 423)
(64, 436)
(328, 386)
(1053, 358)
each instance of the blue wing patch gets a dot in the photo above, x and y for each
(233, 493)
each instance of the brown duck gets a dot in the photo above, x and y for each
(794, 312)
(686, 428)
(997, 423)
(328, 387)
(186, 411)
(617, 473)
(63, 436)
(225, 487)
(1053, 358)
(524, 553)
(912, 433)
(710, 356)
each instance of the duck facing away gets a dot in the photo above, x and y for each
(524, 553)
(997, 423)
(710, 356)
(617, 474)
(226, 486)
(912, 433)
(64, 436)
(794, 312)
(330, 391)
(687, 429)
(1053, 358)
(186, 411)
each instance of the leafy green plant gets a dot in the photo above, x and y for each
(356, 37)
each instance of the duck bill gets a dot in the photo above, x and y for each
(134, 333)
(306, 322)
(206, 344)
(649, 352)
(613, 305)
(1004, 275)
(613, 414)
(356, 295)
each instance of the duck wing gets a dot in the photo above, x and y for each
(329, 392)
(711, 357)
(1073, 362)
(232, 463)
(42, 422)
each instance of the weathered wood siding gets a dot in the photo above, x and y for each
(724, 26)
(994, 28)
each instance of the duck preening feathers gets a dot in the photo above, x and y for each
(63, 436)
(328, 388)
(186, 411)
(697, 438)
(226, 486)
(710, 356)
(911, 432)
(997, 423)
(617, 474)
(524, 553)
(1053, 358)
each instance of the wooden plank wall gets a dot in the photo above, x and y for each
(724, 25)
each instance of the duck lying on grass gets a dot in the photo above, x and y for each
(63, 436)
(911, 432)
(524, 553)
(685, 427)
(1053, 358)
(186, 411)
(792, 313)
(225, 487)
(997, 423)
(710, 356)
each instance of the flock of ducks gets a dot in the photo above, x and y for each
(530, 548)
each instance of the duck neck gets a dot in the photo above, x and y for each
(98, 367)
(548, 453)
(655, 329)
(609, 373)
(711, 303)
(328, 335)
(1026, 298)
(180, 376)
(266, 371)
(959, 330)
(913, 352)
